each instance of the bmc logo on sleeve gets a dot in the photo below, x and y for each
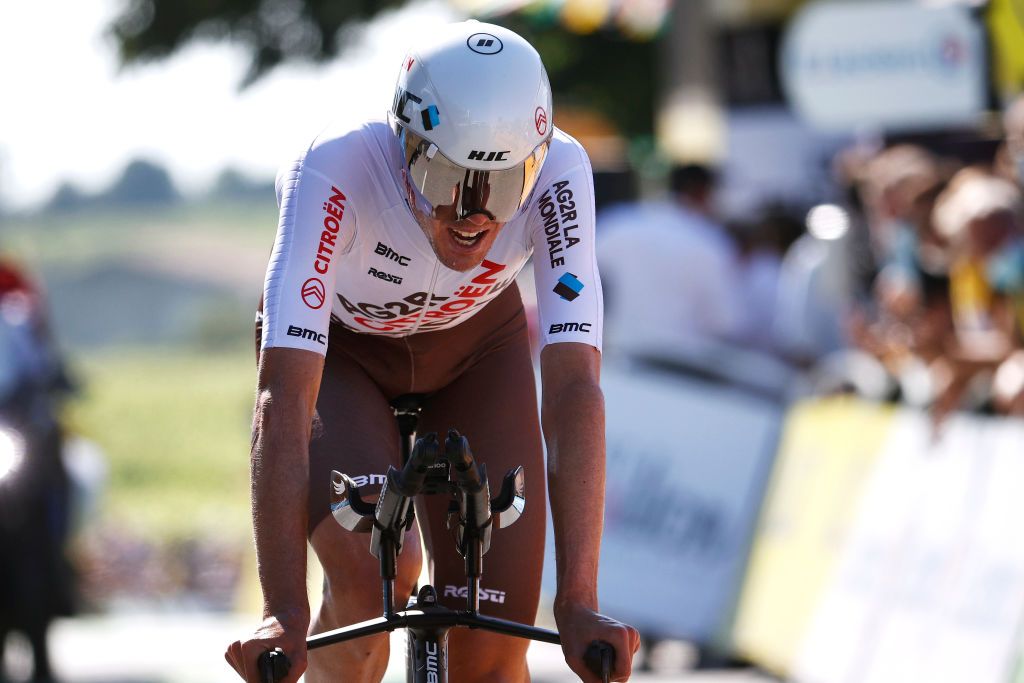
(557, 328)
(313, 293)
(303, 333)
(568, 287)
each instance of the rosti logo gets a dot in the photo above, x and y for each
(328, 238)
(486, 594)
(540, 119)
(386, 277)
(557, 328)
(313, 293)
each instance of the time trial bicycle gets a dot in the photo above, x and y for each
(429, 469)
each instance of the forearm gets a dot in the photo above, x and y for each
(574, 431)
(279, 510)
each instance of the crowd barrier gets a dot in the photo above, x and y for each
(888, 553)
(687, 464)
(859, 547)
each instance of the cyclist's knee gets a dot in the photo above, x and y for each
(352, 590)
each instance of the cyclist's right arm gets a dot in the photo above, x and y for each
(289, 380)
(317, 225)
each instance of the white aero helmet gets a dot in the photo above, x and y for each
(472, 115)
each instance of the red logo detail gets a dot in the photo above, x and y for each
(313, 293)
(540, 119)
(409, 63)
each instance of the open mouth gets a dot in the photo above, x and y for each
(465, 238)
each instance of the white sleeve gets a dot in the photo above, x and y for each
(317, 223)
(565, 267)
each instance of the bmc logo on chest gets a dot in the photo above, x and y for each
(387, 252)
(475, 155)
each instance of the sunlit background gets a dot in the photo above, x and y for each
(811, 237)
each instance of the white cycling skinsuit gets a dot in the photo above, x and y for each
(348, 250)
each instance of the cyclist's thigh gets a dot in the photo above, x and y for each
(354, 432)
(493, 403)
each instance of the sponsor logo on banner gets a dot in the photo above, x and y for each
(557, 328)
(334, 209)
(305, 333)
(884, 64)
(540, 119)
(389, 253)
(386, 277)
(558, 212)
(568, 287)
(477, 155)
(408, 313)
(484, 44)
(313, 293)
(486, 594)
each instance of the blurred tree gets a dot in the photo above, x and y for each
(234, 185)
(272, 30)
(141, 182)
(601, 69)
(67, 198)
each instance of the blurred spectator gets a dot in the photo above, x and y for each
(36, 582)
(982, 216)
(813, 294)
(1010, 157)
(762, 244)
(902, 318)
(669, 272)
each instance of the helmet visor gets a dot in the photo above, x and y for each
(454, 192)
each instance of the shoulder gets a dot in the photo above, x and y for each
(339, 149)
(564, 155)
(343, 155)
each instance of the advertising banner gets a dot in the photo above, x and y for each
(827, 452)
(687, 465)
(847, 66)
(930, 585)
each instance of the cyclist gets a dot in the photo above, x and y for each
(394, 272)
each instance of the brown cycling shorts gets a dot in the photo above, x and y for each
(478, 378)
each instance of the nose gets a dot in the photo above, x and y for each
(477, 219)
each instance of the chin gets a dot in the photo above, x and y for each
(460, 262)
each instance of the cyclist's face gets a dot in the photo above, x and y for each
(460, 244)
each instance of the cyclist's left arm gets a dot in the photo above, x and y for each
(573, 416)
(572, 410)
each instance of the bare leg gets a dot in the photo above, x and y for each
(352, 593)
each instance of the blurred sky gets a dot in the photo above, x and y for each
(69, 113)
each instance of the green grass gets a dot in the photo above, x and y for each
(174, 426)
